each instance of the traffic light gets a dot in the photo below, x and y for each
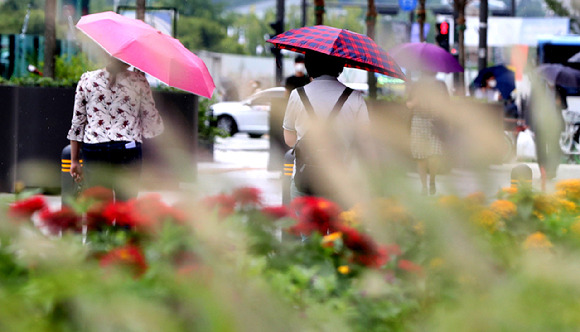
(442, 37)
(278, 28)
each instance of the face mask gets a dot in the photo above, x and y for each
(492, 83)
(299, 67)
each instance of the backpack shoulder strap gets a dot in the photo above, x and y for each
(341, 100)
(306, 101)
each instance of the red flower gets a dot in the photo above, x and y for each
(316, 214)
(61, 220)
(122, 214)
(409, 266)
(150, 208)
(276, 212)
(25, 208)
(224, 203)
(247, 196)
(357, 241)
(128, 256)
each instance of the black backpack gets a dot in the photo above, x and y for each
(307, 168)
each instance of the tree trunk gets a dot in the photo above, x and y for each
(319, 12)
(371, 20)
(140, 11)
(421, 20)
(460, 24)
(49, 37)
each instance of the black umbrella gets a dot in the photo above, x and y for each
(558, 74)
(575, 58)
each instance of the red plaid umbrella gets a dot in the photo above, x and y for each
(359, 50)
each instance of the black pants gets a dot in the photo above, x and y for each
(115, 165)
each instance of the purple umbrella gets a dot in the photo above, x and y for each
(425, 57)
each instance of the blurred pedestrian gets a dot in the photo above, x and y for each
(428, 128)
(488, 89)
(113, 111)
(331, 103)
(547, 124)
(300, 77)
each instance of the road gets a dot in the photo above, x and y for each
(241, 161)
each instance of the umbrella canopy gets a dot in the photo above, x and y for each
(506, 79)
(425, 57)
(575, 58)
(149, 50)
(558, 74)
(359, 50)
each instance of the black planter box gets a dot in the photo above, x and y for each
(35, 122)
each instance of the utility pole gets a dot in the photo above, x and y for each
(513, 8)
(278, 27)
(421, 20)
(319, 12)
(371, 24)
(304, 7)
(482, 51)
(140, 11)
(49, 37)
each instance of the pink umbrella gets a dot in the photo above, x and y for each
(426, 57)
(149, 50)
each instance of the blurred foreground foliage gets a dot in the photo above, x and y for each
(229, 263)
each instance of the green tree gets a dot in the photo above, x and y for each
(558, 8)
(195, 8)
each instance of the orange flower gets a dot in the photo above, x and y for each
(538, 240)
(487, 219)
(570, 187)
(129, 256)
(328, 240)
(504, 208)
(546, 204)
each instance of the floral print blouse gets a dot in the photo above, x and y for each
(124, 112)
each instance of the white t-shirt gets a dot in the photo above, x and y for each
(323, 93)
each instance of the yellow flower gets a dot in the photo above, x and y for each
(449, 201)
(343, 269)
(350, 217)
(509, 190)
(504, 208)
(538, 240)
(539, 215)
(332, 237)
(436, 263)
(487, 219)
(419, 228)
(570, 187)
(477, 198)
(391, 210)
(546, 204)
(567, 205)
(575, 227)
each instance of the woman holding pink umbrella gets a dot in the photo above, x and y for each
(113, 111)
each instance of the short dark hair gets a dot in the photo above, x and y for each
(485, 77)
(318, 64)
(299, 58)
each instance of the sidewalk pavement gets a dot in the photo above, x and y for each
(238, 168)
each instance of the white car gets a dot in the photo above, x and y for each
(250, 115)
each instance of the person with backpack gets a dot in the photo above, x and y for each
(320, 124)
